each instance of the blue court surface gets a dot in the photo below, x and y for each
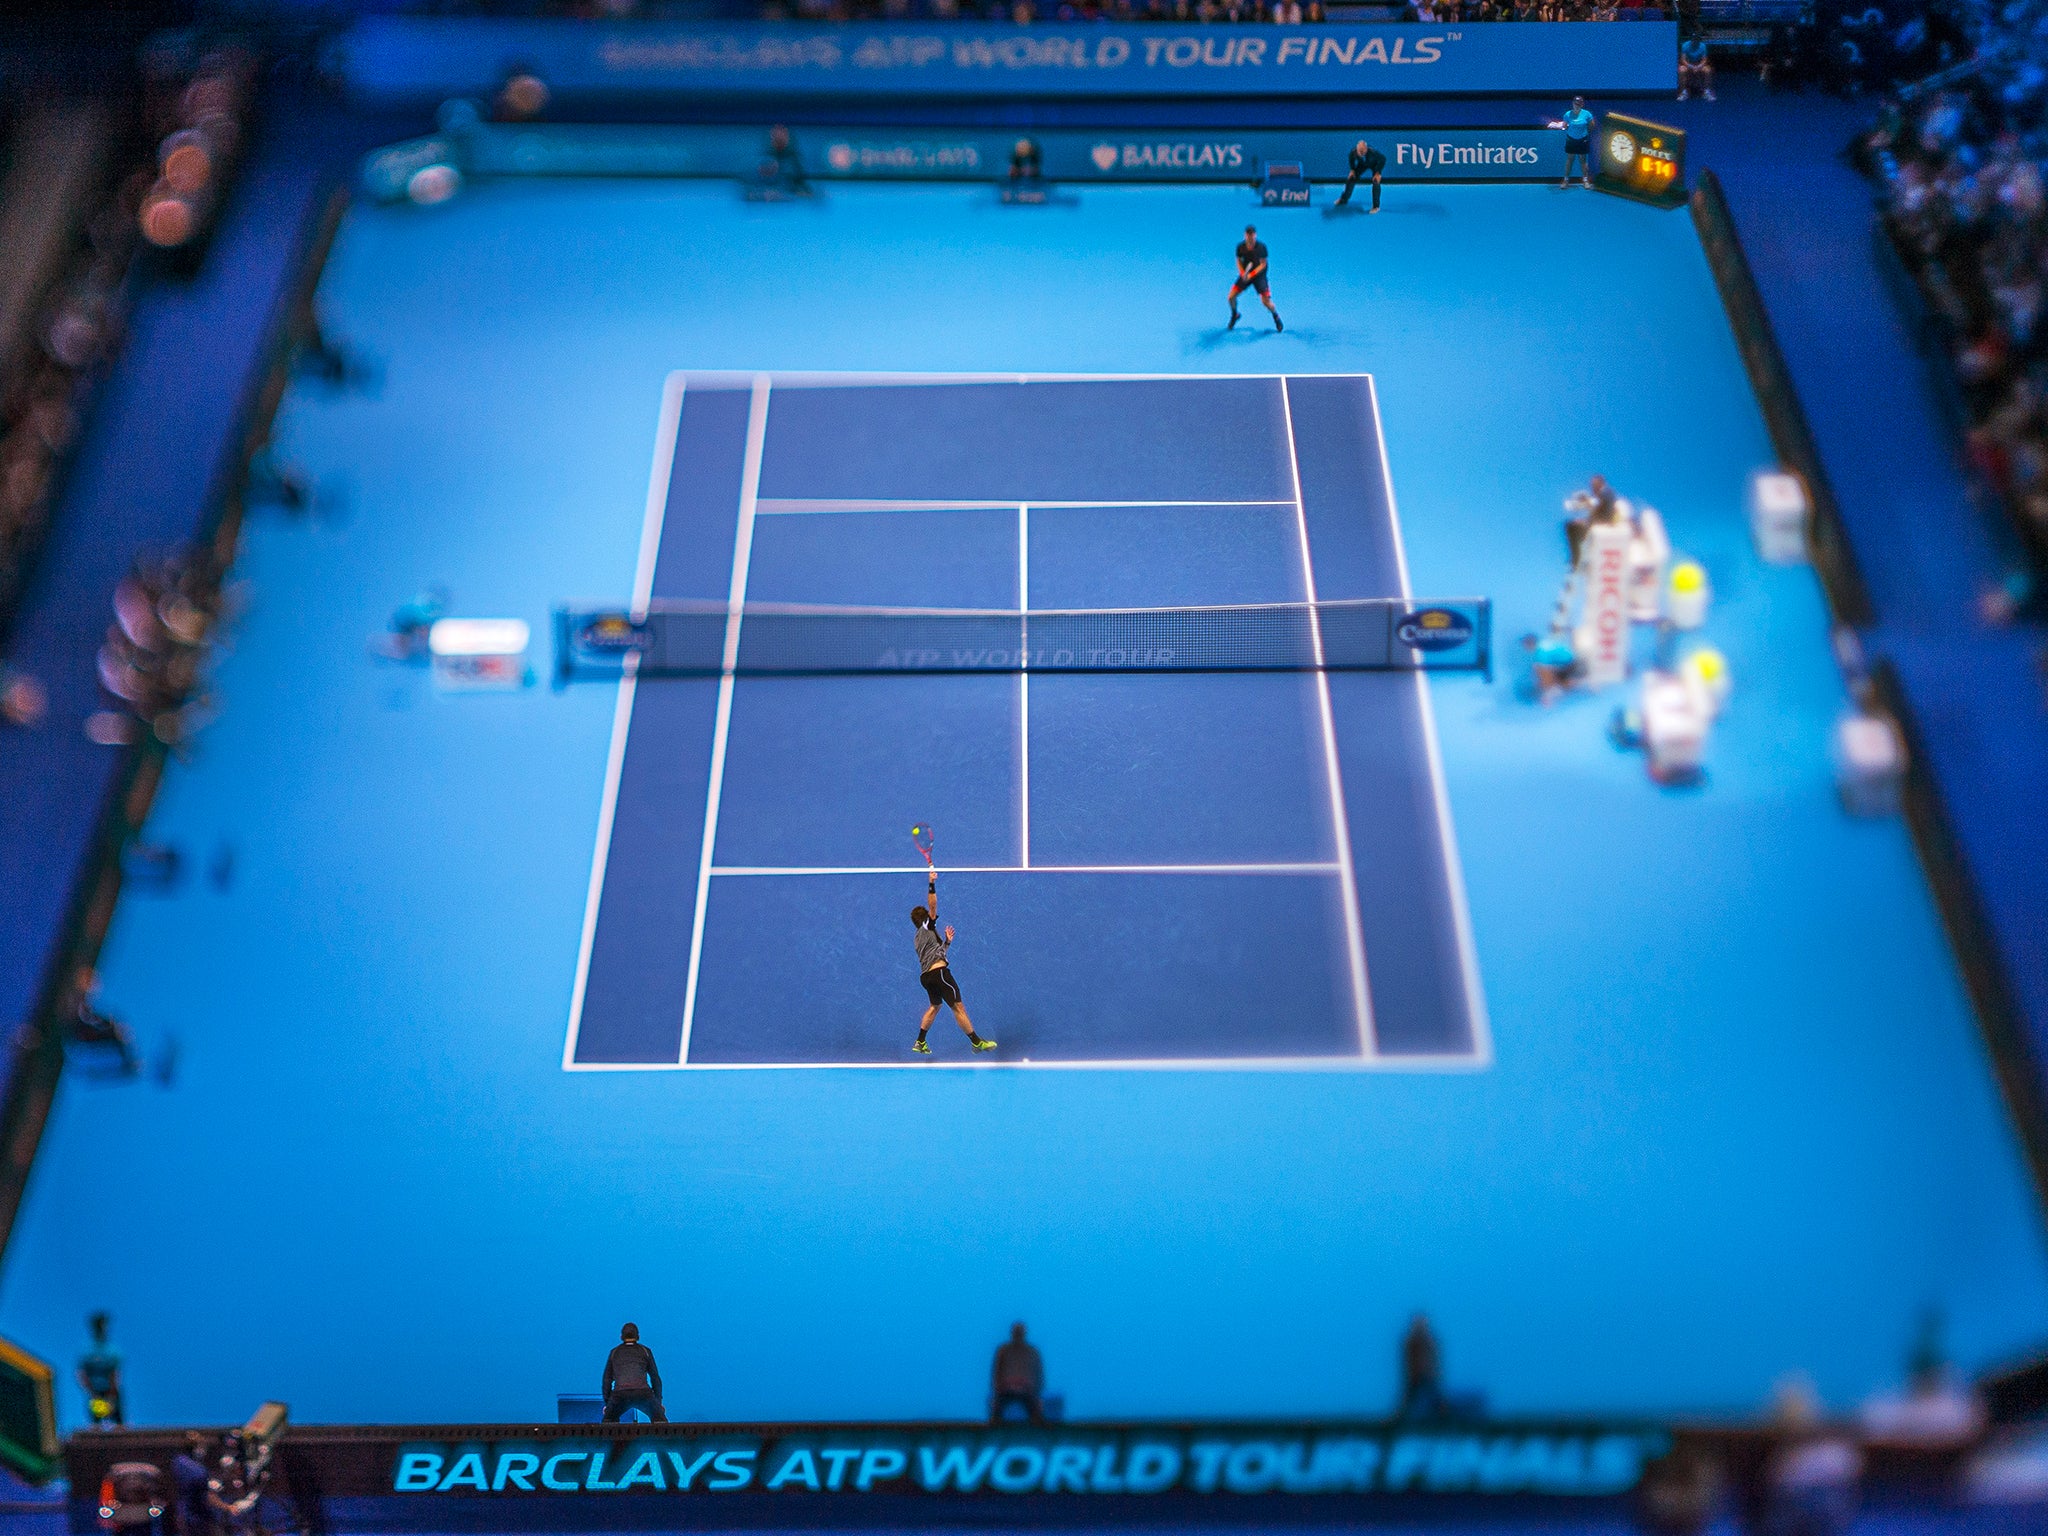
(1128, 847)
(1728, 1116)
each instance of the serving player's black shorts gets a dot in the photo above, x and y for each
(1258, 283)
(940, 986)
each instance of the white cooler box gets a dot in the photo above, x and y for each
(1778, 513)
(479, 653)
(1870, 764)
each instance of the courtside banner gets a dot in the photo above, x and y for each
(1124, 1467)
(483, 150)
(1123, 1463)
(426, 58)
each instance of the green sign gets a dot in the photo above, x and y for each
(28, 1414)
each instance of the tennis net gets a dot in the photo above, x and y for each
(701, 639)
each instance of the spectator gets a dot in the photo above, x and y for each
(523, 97)
(154, 650)
(1937, 1410)
(96, 1031)
(1965, 202)
(632, 1379)
(1284, 12)
(1025, 163)
(22, 700)
(188, 1481)
(1018, 1380)
(1695, 69)
(1679, 1492)
(1813, 1474)
(1422, 1380)
(237, 1485)
(99, 1373)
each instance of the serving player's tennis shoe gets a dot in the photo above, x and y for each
(922, 1048)
(984, 1045)
(1277, 325)
(1234, 318)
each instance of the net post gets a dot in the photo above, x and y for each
(1485, 607)
(562, 666)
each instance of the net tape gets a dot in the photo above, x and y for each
(701, 639)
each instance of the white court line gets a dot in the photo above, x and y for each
(756, 870)
(1396, 1064)
(1024, 689)
(735, 603)
(655, 514)
(794, 506)
(1406, 1063)
(1340, 822)
(1454, 867)
(615, 760)
(652, 517)
(732, 378)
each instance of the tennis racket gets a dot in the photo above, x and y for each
(921, 834)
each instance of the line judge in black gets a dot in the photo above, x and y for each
(1018, 1380)
(1364, 160)
(632, 1379)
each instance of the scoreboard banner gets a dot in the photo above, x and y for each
(429, 58)
(1068, 155)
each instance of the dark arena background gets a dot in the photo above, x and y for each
(925, 765)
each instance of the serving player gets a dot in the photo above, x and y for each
(1251, 273)
(936, 974)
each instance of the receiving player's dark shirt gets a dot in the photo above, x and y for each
(1371, 163)
(1251, 256)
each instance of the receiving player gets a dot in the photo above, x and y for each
(936, 974)
(1364, 161)
(1578, 142)
(1251, 273)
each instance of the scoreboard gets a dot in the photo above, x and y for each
(1640, 159)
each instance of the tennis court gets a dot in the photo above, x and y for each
(1717, 1019)
(1174, 867)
